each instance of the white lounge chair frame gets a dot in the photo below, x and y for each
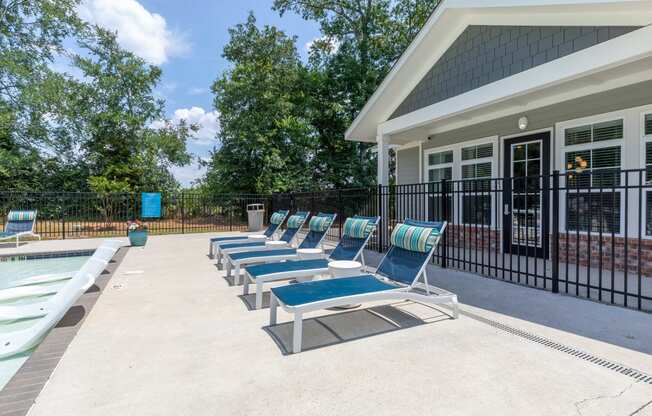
(295, 274)
(433, 296)
(17, 236)
(236, 265)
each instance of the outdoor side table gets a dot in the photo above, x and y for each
(275, 245)
(345, 268)
(257, 238)
(310, 253)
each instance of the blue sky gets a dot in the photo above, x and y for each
(186, 39)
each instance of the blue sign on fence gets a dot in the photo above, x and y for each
(151, 205)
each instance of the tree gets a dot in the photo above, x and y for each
(361, 40)
(117, 119)
(32, 33)
(265, 142)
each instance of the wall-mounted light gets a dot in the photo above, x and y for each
(522, 123)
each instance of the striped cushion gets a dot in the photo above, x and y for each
(21, 216)
(277, 218)
(320, 224)
(357, 228)
(295, 221)
(414, 238)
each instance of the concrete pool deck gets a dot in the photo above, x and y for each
(171, 336)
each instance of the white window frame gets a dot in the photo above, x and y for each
(563, 149)
(645, 111)
(457, 172)
(430, 167)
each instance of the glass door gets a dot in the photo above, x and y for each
(525, 212)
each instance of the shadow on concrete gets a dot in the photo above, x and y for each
(607, 323)
(349, 326)
(230, 280)
(250, 300)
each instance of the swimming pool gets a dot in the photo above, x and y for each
(16, 269)
(13, 271)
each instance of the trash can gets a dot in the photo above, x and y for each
(256, 215)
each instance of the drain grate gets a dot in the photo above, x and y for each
(637, 375)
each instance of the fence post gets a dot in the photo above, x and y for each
(444, 215)
(63, 220)
(183, 214)
(555, 232)
(339, 211)
(381, 229)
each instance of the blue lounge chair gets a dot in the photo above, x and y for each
(294, 225)
(319, 226)
(356, 234)
(276, 220)
(19, 224)
(397, 278)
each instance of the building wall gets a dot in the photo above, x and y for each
(585, 249)
(485, 54)
(407, 166)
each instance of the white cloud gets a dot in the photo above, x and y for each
(187, 175)
(144, 33)
(207, 122)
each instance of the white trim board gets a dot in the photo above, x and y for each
(453, 16)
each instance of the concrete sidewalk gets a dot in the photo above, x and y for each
(170, 336)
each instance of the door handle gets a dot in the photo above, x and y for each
(506, 210)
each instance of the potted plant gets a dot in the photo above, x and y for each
(137, 232)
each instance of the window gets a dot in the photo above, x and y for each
(440, 166)
(647, 139)
(593, 211)
(476, 173)
(593, 158)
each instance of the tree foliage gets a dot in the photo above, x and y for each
(361, 40)
(59, 132)
(266, 142)
(114, 112)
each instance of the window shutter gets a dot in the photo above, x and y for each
(578, 135)
(648, 124)
(609, 130)
(608, 157)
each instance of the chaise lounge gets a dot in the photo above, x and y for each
(276, 220)
(318, 228)
(19, 224)
(356, 234)
(397, 278)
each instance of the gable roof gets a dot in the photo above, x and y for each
(452, 17)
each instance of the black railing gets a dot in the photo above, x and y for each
(85, 215)
(583, 233)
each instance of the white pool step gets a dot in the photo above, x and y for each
(43, 278)
(55, 307)
(16, 293)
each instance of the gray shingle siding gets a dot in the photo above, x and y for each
(484, 54)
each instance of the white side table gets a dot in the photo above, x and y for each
(275, 245)
(345, 268)
(310, 253)
(257, 238)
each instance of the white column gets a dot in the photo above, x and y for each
(382, 142)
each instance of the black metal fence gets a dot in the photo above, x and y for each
(85, 215)
(584, 233)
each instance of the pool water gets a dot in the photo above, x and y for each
(11, 271)
(15, 270)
